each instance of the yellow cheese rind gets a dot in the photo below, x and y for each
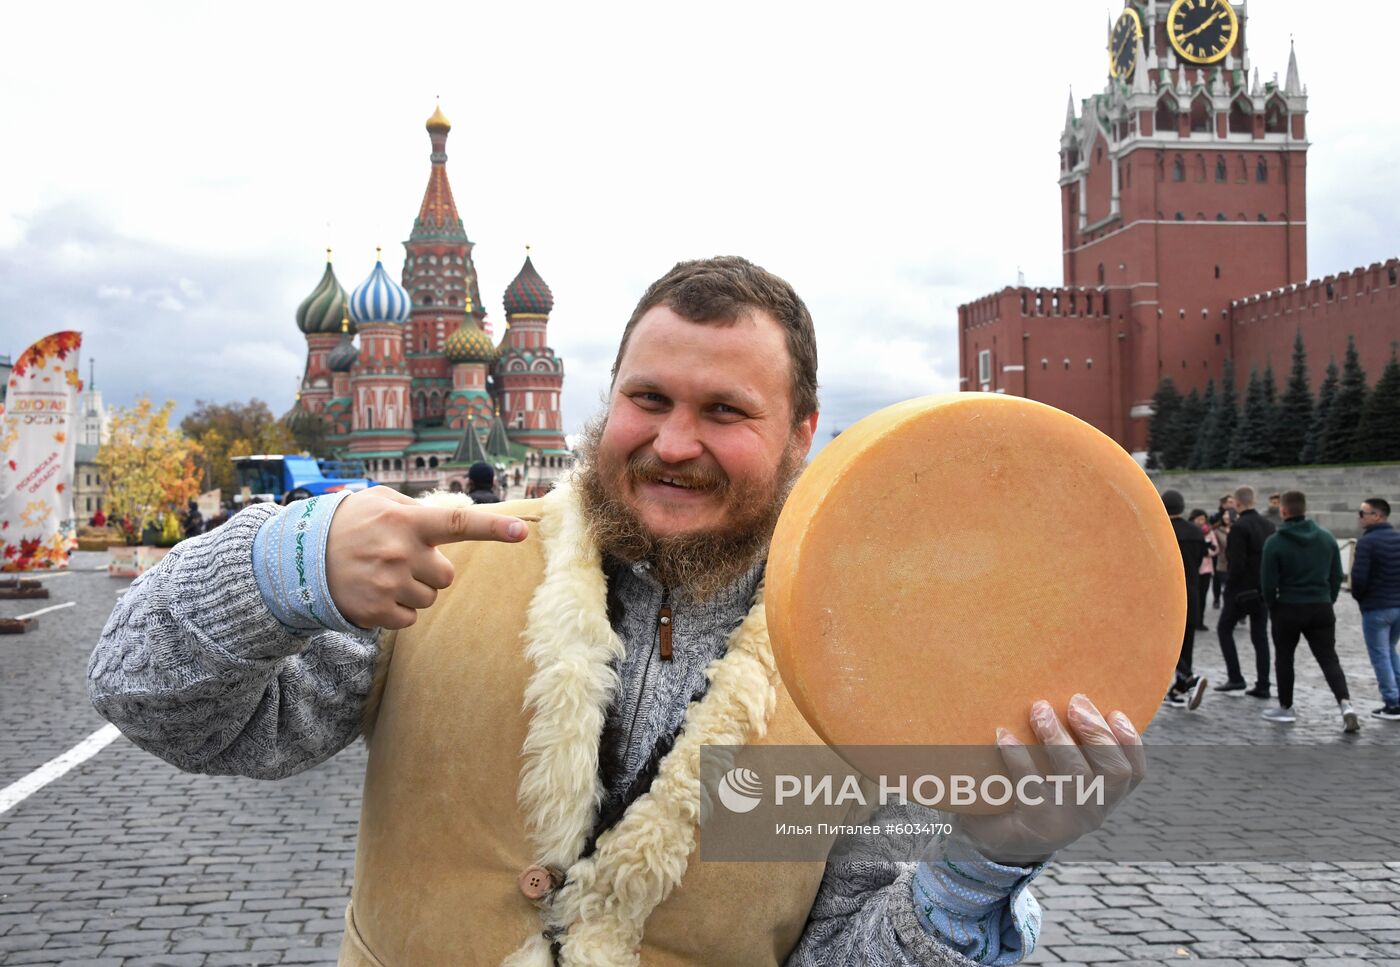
(947, 561)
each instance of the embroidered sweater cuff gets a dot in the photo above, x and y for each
(980, 908)
(289, 563)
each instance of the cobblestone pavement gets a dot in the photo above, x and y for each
(125, 860)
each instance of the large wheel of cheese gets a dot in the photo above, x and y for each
(947, 561)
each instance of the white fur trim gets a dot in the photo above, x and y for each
(607, 898)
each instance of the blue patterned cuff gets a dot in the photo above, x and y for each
(980, 908)
(289, 563)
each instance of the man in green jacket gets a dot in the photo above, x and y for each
(1301, 575)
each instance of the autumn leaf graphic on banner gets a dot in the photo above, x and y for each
(36, 435)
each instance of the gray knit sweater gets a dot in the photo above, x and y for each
(194, 668)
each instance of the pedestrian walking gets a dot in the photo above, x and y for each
(1243, 599)
(1375, 584)
(1187, 688)
(1207, 573)
(1300, 575)
(1274, 514)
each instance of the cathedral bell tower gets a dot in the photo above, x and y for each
(1182, 186)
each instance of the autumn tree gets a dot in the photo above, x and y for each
(150, 467)
(225, 430)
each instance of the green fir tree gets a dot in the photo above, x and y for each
(1190, 418)
(1197, 460)
(1222, 429)
(1378, 437)
(1316, 440)
(1251, 445)
(1345, 413)
(1166, 402)
(1295, 410)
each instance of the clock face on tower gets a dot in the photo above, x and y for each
(1202, 31)
(1123, 46)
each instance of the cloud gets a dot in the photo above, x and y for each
(158, 320)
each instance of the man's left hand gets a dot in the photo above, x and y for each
(1092, 746)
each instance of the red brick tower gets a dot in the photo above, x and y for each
(439, 276)
(528, 375)
(1182, 187)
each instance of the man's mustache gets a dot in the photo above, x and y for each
(646, 468)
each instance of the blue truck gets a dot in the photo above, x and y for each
(283, 479)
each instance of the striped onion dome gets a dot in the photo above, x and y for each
(469, 344)
(528, 292)
(341, 358)
(321, 311)
(379, 299)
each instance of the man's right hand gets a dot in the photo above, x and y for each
(382, 561)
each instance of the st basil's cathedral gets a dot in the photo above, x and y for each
(427, 391)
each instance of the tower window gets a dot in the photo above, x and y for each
(1200, 115)
(1217, 339)
(1241, 117)
(1166, 116)
(1217, 271)
(1044, 363)
(1220, 173)
(1220, 216)
(1180, 217)
(1261, 171)
(1178, 169)
(1263, 217)
(1393, 275)
(1330, 292)
(1066, 362)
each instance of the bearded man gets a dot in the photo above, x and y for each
(539, 680)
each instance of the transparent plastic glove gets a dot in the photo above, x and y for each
(1029, 833)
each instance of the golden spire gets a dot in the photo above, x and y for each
(467, 304)
(378, 254)
(439, 122)
(328, 255)
(527, 250)
(344, 319)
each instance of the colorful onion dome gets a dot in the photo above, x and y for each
(300, 421)
(469, 344)
(528, 292)
(439, 122)
(379, 298)
(343, 356)
(322, 309)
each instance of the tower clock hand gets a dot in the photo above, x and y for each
(1208, 21)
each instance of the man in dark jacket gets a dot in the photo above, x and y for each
(1187, 689)
(1300, 575)
(483, 479)
(1375, 584)
(1242, 597)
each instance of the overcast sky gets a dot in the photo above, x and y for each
(173, 172)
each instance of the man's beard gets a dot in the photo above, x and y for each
(699, 564)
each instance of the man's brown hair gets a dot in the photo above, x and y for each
(1294, 502)
(721, 290)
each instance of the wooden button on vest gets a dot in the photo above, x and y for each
(535, 882)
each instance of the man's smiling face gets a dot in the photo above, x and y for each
(699, 422)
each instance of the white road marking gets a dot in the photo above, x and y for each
(20, 790)
(41, 575)
(52, 607)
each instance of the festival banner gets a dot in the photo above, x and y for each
(38, 438)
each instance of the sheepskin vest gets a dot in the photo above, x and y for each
(483, 761)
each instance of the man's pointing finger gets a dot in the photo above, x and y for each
(445, 525)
